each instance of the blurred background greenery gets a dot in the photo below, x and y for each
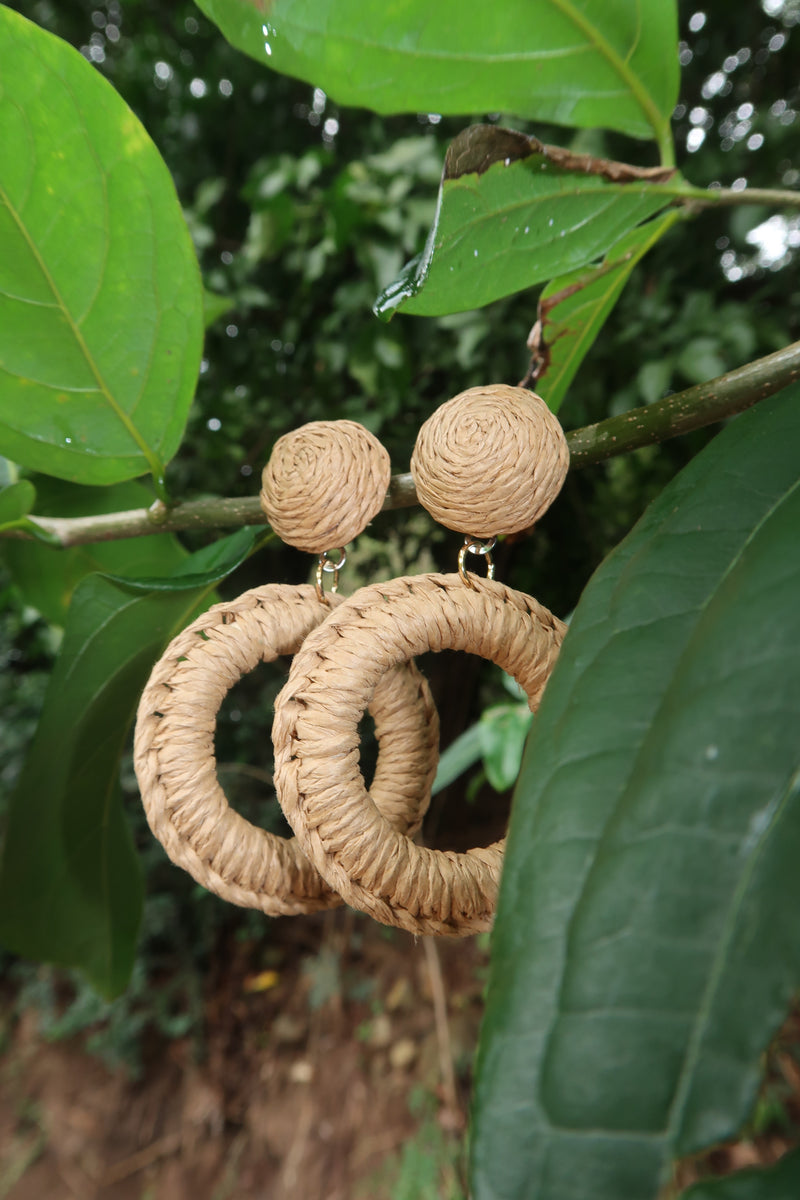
(301, 213)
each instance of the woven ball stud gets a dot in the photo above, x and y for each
(177, 772)
(324, 483)
(490, 461)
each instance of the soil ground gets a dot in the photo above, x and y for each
(341, 1072)
(330, 1076)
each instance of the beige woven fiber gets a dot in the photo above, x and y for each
(376, 868)
(176, 768)
(324, 483)
(490, 461)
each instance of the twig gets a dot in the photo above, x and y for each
(161, 1148)
(449, 1089)
(668, 418)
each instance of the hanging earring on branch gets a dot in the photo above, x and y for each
(488, 462)
(321, 487)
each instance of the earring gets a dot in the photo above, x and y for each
(321, 487)
(489, 461)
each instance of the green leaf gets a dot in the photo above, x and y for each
(48, 576)
(100, 296)
(498, 739)
(16, 501)
(205, 567)
(574, 308)
(779, 1182)
(70, 886)
(701, 359)
(513, 212)
(646, 945)
(503, 731)
(460, 755)
(582, 63)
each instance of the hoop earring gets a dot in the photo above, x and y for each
(174, 743)
(491, 461)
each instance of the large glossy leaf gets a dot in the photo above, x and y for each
(574, 308)
(70, 887)
(47, 576)
(647, 945)
(513, 212)
(781, 1182)
(101, 307)
(584, 63)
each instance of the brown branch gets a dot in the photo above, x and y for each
(679, 413)
(452, 1110)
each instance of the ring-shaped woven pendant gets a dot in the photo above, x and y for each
(373, 867)
(176, 768)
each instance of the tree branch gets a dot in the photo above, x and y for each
(685, 411)
(677, 414)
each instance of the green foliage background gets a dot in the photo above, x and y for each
(301, 214)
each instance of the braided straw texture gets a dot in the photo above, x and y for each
(324, 483)
(376, 868)
(490, 461)
(174, 751)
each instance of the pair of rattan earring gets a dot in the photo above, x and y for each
(488, 462)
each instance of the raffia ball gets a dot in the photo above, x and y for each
(490, 461)
(324, 483)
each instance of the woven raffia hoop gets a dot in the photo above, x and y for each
(374, 867)
(324, 483)
(174, 751)
(490, 461)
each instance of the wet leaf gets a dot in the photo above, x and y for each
(503, 225)
(100, 295)
(587, 65)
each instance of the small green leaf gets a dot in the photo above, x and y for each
(574, 308)
(70, 886)
(779, 1182)
(48, 576)
(571, 62)
(503, 731)
(100, 294)
(205, 567)
(512, 213)
(460, 755)
(652, 379)
(646, 946)
(701, 359)
(16, 501)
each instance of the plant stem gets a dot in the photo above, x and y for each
(717, 197)
(680, 413)
(684, 411)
